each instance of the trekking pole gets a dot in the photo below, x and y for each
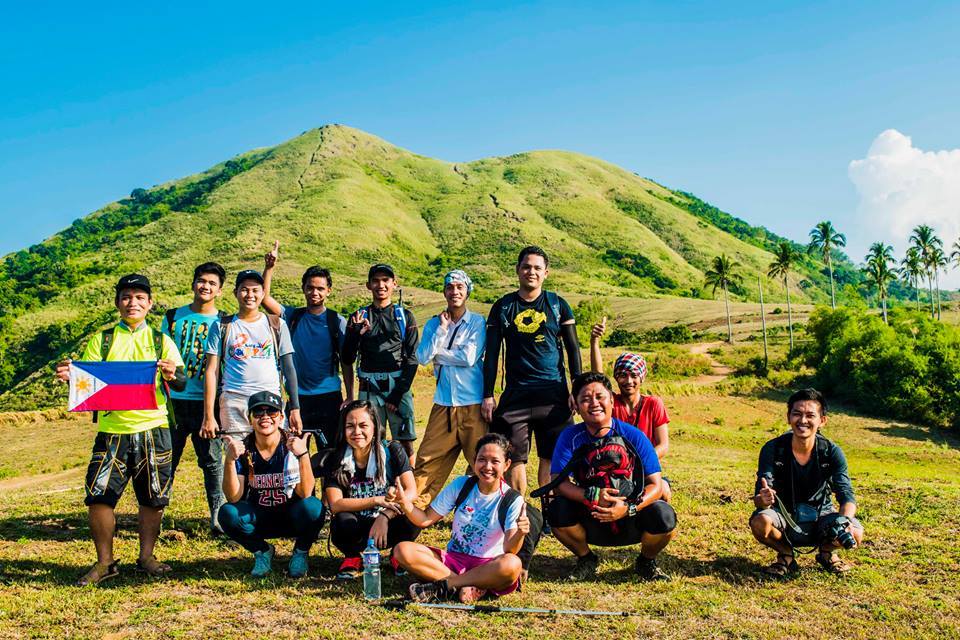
(491, 608)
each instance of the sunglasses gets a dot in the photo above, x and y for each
(259, 412)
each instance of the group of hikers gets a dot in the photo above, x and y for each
(221, 382)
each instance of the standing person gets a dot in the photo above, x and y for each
(607, 479)
(796, 475)
(646, 413)
(489, 526)
(130, 445)
(189, 327)
(384, 337)
(453, 342)
(536, 326)
(269, 483)
(360, 472)
(317, 334)
(254, 349)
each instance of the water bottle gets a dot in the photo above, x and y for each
(371, 571)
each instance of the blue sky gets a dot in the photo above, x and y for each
(757, 108)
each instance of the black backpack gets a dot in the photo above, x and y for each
(333, 326)
(505, 502)
(783, 460)
(609, 462)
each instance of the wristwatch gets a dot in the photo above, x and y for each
(631, 509)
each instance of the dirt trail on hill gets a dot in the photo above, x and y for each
(718, 371)
(65, 481)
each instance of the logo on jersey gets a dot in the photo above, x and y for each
(529, 320)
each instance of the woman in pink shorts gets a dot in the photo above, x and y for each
(489, 524)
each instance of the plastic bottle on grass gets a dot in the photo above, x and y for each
(371, 571)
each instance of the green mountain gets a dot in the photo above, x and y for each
(343, 198)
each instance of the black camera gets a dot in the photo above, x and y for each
(839, 530)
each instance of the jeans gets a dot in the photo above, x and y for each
(250, 525)
(189, 415)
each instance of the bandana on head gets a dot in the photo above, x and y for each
(459, 276)
(630, 363)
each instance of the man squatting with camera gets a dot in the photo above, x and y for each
(795, 477)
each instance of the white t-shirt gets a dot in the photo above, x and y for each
(476, 527)
(249, 361)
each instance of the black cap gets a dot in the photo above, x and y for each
(134, 281)
(264, 399)
(380, 268)
(249, 274)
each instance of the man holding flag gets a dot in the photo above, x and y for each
(122, 374)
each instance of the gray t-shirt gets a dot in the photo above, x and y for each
(249, 361)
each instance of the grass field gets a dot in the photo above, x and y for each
(904, 583)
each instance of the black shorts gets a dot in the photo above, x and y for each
(145, 458)
(523, 413)
(657, 518)
(320, 414)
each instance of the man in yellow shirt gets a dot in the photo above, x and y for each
(130, 445)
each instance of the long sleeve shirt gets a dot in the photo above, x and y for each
(383, 350)
(457, 356)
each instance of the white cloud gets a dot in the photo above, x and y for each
(901, 186)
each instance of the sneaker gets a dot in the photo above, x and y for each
(648, 570)
(431, 591)
(298, 563)
(586, 568)
(350, 568)
(263, 562)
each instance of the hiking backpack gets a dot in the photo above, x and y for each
(506, 501)
(610, 462)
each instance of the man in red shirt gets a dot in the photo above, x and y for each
(646, 413)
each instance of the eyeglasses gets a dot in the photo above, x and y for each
(259, 412)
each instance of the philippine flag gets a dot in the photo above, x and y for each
(112, 386)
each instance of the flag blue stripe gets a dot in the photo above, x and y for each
(121, 372)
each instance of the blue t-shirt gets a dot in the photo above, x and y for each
(576, 436)
(476, 524)
(189, 333)
(312, 356)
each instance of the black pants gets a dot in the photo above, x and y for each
(189, 414)
(350, 531)
(320, 414)
(657, 518)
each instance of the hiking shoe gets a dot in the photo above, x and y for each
(431, 591)
(586, 568)
(648, 570)
(298, 564)
(263, 562)
(350, 568)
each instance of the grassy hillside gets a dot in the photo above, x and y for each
(343, 198)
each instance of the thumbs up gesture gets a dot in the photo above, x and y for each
(270, 260)
(523, 522)
(766, 496)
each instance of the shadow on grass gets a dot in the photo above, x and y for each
(74, 526)
(922, 434)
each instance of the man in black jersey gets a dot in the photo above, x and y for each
(532, 323)
(384, 336)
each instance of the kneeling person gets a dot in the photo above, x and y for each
(269, 484)
(489, 527)
(796, 474)
(614, 497)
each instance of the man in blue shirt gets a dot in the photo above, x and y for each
(453, 342)
(317, 334)
(606, 477)
(189, 327)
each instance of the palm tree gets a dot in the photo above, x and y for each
(824, 238)
(721, 274)
(911, 269)
(784, 259)
(938, 262)
(925, 240)
(879, 272)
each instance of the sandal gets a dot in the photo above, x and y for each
(784, 564)
(153, 567)
(98, 573)
(831, 563)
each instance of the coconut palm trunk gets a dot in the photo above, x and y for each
(916, 288)
(883, 304)
(833, 296)
(937, 282)
(726, 303)
(933, 310)
(786, 287)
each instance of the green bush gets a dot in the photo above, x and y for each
(908, 370)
